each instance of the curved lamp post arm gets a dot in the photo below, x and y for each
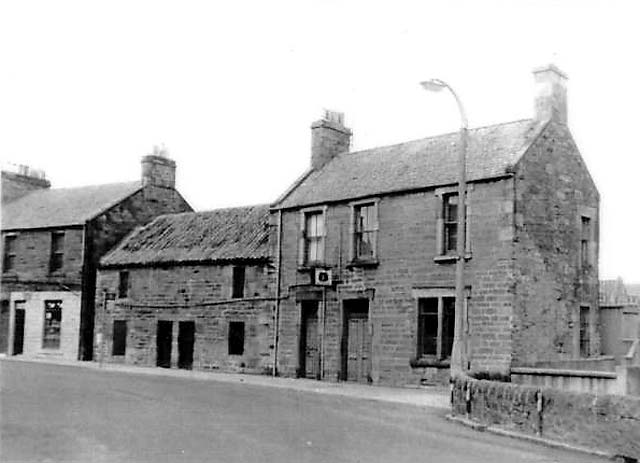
(459, 354)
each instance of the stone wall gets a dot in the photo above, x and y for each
(408, 264)
(198, 293)
(553, 191)
(607, 423)
(106, 230)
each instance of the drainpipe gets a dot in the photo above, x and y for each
(276, 321)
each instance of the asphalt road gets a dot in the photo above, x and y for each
(52, 413)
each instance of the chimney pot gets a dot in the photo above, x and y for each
(329, 137)
(551, 94)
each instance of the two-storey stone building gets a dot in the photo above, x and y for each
(52, 240)
(367, 251)
(191, 290)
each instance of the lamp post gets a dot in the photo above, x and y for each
(458, 354)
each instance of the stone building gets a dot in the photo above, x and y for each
(367, 240)
(52, 240)
(192, 290)
(619, 322)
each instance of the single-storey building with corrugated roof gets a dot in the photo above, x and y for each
(368, 251)
(192, 290)
(52, 240)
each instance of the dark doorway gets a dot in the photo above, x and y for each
(164, 339)
(309, 341)
(356, 341)
(186, 338)
(18, 331)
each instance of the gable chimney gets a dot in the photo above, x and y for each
(551, 94)
(158, 169)
(329, 137)
(21, 181)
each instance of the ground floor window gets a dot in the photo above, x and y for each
(52, 324)
(236, 338)
(119, 337)
(584, 331)
(436, 321)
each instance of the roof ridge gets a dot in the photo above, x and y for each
(95, 185)
(206, 211)
(442, 135)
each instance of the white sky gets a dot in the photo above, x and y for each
(87, 88)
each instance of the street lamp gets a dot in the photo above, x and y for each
(458, 353)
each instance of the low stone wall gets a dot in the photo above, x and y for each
(607, 423)
(595, 382)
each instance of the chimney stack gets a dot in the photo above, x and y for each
(21, 180)
(551, 94)
(158, 169)
(329, 137)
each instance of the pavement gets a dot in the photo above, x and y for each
(426, 396)
(86, 413)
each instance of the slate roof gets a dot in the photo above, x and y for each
(57, 207)
(240, 233)
(416, 164)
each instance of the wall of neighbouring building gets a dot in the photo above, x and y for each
(34, 307)
(198, 293)
(407, 267)
(553, 190)
(106, 230)
(607, 423)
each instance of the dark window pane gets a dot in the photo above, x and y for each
(448, 325)
(123, 284)
(584, 331)
(9, 253)
(119, 337)
(52, 322)
(450, 237)
(427, 326)
(236, 338)
(238, 282)
(57, 251)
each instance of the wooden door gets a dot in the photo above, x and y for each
(164, 338)
(356, 342)
(186, 339)
(18, 331)
(310, 342)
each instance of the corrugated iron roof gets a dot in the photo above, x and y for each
(57, 207)
(427, 162)
(240, 233)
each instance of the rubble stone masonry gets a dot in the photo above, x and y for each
(199, 293)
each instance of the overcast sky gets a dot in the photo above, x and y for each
(231, 88)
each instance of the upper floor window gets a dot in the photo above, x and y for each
(57, 251)
(9, 254)
(450, 216)
(365, 231)
(448, 230)
(238, 282)
(313, 235)
(123, 284)
(585, 240)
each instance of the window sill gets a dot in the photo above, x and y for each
(449, 258)
(432, 362)
(363, 263)
(311, 266)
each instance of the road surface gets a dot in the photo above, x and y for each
(53, 413)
